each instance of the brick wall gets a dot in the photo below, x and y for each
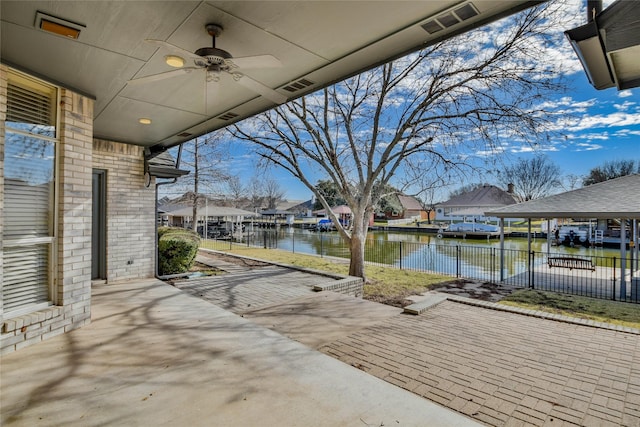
(74, 209)
(130, 211)
(72, 287)
(130, 221)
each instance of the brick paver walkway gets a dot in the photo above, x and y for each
(247, 289)
(498, 367)
(504, 369)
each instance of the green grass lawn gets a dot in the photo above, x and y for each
(382, 282)
(387, 284)
(618, 313)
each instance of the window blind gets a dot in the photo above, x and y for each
(28, 195)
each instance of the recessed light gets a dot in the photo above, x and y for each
(144, 121)
(174, 61)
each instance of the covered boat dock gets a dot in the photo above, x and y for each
(617, 199)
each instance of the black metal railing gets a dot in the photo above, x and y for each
(592, 276)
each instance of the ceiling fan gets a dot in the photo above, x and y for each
(215, 62)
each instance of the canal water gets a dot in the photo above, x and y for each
(330, 243)
(473, 258)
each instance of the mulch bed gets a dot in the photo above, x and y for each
(485, 291)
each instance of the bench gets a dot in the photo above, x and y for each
(571, 263)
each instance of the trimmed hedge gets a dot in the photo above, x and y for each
(177, 249)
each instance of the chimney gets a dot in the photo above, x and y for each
(510, 188)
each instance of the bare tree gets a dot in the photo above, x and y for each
(440, 104)
(424, 188)
(273, 193)
(205, 157)
(532, 178)
(237, 191)
(571, 181)
(256, 193)
(610, 170)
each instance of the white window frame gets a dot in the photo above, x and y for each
(50, 240)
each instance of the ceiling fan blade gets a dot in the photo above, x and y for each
(258, 61)
(261, 89)
(212, 91)
(175, 49)
(162, 76)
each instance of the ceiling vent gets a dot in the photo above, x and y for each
(227, 116)
(58, 26)
(184, 134)
(298, 85)
(450, 18)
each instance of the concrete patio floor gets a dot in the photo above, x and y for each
(162, 355)
(154, 355)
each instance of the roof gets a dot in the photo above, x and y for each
(289, 49)
(338, 210)
(275, 212)
(616, 198)
(486, 196)
(409, 202)
(468, 212)
(169, 206)
(294, 204)
(164, 166)
(609, 46)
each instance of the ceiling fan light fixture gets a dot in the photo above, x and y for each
(174, 61)
(144, 121)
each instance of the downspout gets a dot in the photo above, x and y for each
(158, 184)
(594, 7)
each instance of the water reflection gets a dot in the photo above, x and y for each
(426, 252)
(314, 242)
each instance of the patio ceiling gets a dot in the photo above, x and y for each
(616, 198)
(609, 46)
(316, 42)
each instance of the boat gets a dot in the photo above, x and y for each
(573, 235)
(470, 230)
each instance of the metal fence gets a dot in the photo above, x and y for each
(592, 276)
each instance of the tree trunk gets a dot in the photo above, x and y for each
(356, 247)
(356, 244)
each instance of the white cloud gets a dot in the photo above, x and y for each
(567, 101)
(627, 105)
(604, 136)
(522, 149)
(616, 119)
(625, 94)
(627, 132)
(583, 146)
(490, 152)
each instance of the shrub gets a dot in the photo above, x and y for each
(177, 249)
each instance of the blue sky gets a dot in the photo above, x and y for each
(606, 127)
(603, 125)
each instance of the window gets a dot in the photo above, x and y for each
(29, 183)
